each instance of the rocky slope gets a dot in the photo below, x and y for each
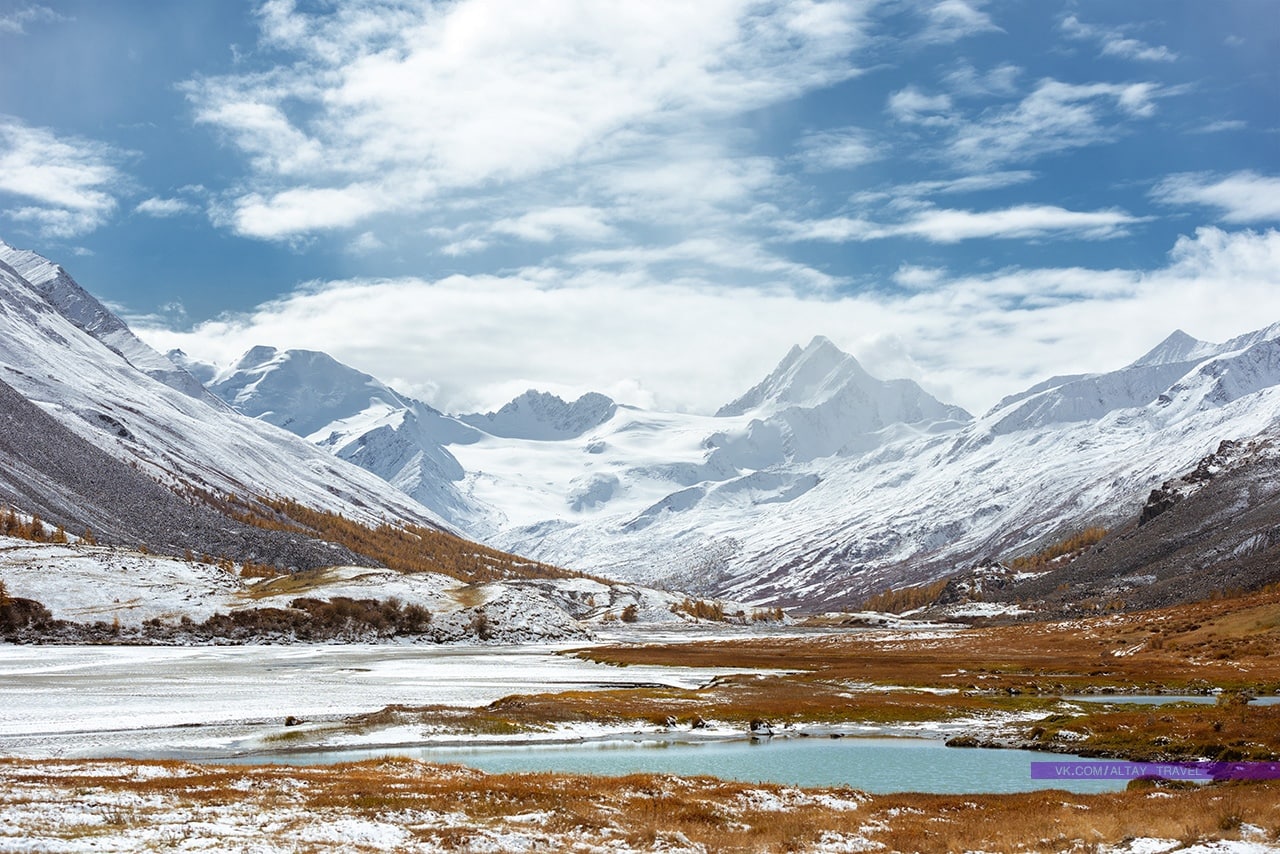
(1213, 530)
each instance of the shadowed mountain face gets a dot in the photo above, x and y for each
(48, 470)
(1214, 529)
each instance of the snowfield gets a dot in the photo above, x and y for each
(222, 701)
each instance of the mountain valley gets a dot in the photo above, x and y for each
(814, 490)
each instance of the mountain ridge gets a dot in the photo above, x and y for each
(797, 492)
(817, 486)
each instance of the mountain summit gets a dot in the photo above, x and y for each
(300, 390)
(828, 402)
(81, 308)
(804, 377)
(1178, 347)
(543, 416)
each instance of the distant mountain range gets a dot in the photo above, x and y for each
(818, 486)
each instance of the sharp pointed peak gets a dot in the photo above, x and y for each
(1178, 346)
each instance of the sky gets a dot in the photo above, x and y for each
(653, 200)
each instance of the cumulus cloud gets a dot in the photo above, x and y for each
(1240, 197)
(65, 186)
(1114, 42)
(375, 108)
(472, 342)
(952, 226)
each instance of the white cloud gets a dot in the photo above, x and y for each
(837, 149)
(66, 184)
(1222, 126)
(158, 207)
(1241, 196)
(292, 212)
(1055, 116)
(709, 255)
(393, 107)
(15, 22)
(951, 20)
(1113, 42)
(365, 243)
(467, 246)
(468, 342)
(543, 226)
(966, 80)
(952, 226)
(909, 195)
(918, 278)
(912, 106)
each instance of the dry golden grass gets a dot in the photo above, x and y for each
(403, 547)
(1228, 643)
(734, 701)
(1232, 644)
(1009, 678)
(1226, 732)
(452, 808)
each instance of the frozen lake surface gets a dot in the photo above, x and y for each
(122, 700)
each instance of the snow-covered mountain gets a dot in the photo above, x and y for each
(544, 417)
(356, 418)
(823, 483)
(65, 352)
(78, 306)
(820, 484)
(542, 462)
(824, 403)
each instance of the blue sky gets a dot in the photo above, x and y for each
(654, 200)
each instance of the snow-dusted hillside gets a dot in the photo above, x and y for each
(87, 585)
(81, 308)
(65, 352)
